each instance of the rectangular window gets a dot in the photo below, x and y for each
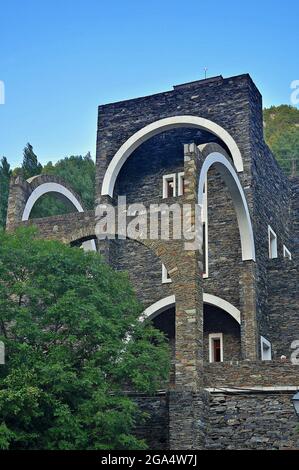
(272, 240)
(286, 253)
(169, 186)
(181, 184)
(165, 275)
(266, 352)
(216, 347)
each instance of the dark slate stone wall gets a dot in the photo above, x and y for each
(220, 420)
(154, 430)
(251, 373)
(143, 267)
(252, 421)
(283, 282)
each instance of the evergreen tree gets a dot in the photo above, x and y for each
(30, 165)
(5, 174)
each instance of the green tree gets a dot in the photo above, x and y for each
(30, 165)
(73, 345)
(5, 174)
(285, 147)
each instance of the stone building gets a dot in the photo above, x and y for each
(230, 309)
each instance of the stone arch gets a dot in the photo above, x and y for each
(167, 302)
(45, 184)
(158, 307)
(158, 127)
(215, 155)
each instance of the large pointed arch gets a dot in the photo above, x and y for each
(219, 160)
(157, 127)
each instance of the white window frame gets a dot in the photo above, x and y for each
(272, 243)
(286, 253)
(166, 179)
(165, 276)
(266, 355)
(180, 183)
(205, 221)
(213, 336)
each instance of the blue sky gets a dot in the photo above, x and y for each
(60, 59)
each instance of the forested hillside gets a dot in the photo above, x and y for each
(281, 127)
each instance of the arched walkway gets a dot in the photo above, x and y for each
(158, 127)
(167, 302)
(218, 159)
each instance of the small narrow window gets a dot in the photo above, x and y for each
(165, 276)
(286, 253)
(216, 347)
(272, 237)
(169, 183)
(266, 352)
(181, 184)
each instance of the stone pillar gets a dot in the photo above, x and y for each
(249, 343)
(186, 406)
(19, 191)
(188, 419)
(103, 246)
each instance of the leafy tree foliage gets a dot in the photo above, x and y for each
(65, 317)
(281, 124)
(5, 174)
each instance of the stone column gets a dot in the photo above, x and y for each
(19, 191)
(186, 408)
(249, 343)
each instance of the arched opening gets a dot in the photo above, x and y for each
(219, 318)
(221, 163)
(50, 188)
(158, 127)
(61, 199)
(221, 335)
(49, 205)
